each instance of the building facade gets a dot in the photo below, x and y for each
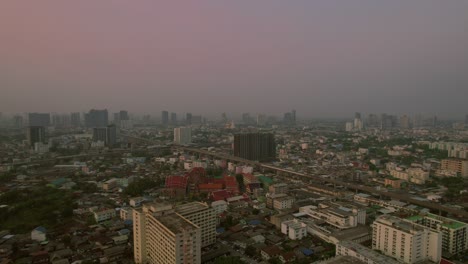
(255, 146)
(406, 241)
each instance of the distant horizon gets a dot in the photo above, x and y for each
(324, 58)
(236, 116)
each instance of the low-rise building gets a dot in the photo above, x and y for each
(294, 229)
(103, 214)
(364, 254)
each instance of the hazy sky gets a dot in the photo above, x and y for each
(321, 57)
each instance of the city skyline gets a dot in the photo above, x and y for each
(321, 58)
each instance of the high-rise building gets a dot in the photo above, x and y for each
(123, 115)
(466, 120)
(161, 235)
(454, 233)
(182, 135)
(358, 124)
(203, 216)
(165, 117)
(35, 134)
(75, 119)
(18, 121)
(39, 119)
(188, 118)
(173, 118)
(261, 120)
(255, 146)
(97, 118)
(456, 165)
(406, 241)
(290, 118)
(404, 122)
(372, 120)
(108, 135)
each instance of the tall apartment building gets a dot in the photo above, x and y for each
(165, 117)
(161, 236)
(457, 165)
(406, 241)
(203, 216)
(182, 135)
(39, 119)
(97, 118)
(108, 135)
(255, 146)
(454, 233)
(173, 118)
(35, 134)
(75, 119)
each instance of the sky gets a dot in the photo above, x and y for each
(324, 58)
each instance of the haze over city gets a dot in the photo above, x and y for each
(322, 58)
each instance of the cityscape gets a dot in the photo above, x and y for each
(234, 132)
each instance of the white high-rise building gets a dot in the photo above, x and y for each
(406, 241)
(182, 135)
(163, 236)
(203, 216)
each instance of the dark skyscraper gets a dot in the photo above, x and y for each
(165, 117)
(39, 119)
(123, 115)
(290, 118)
(108, 135)
(75, 119)
(35, 134)
(173, 118)
(255, 146)
(188, 118)
(97, 118)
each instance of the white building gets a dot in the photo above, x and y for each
(182, 135)
(219, 206)
(104, 214)
(39, 234)
(337, 215)
(203, 216)
(294, 229)
(364, 254)
(406, 241)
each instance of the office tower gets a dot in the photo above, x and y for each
(108, 135)
(406, 241)
(59, 120)
(161, 235)
(349, 126)
(261, 120)
(35, 134)
(182, 135)
(39, 119)
(203, 216)
(255, 146)
(97, 118)
(404, 122)
(173, 118)
(123, 115)
(358, 124)
(18, 121)
(188, 118)
(372, 120)
(454, 233)
(75, 119)
(165, 117)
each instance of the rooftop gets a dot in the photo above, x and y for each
(367, 252)
(175, 223)
(190, 208)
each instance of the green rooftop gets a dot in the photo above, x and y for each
(453, 224)
(415, 218)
